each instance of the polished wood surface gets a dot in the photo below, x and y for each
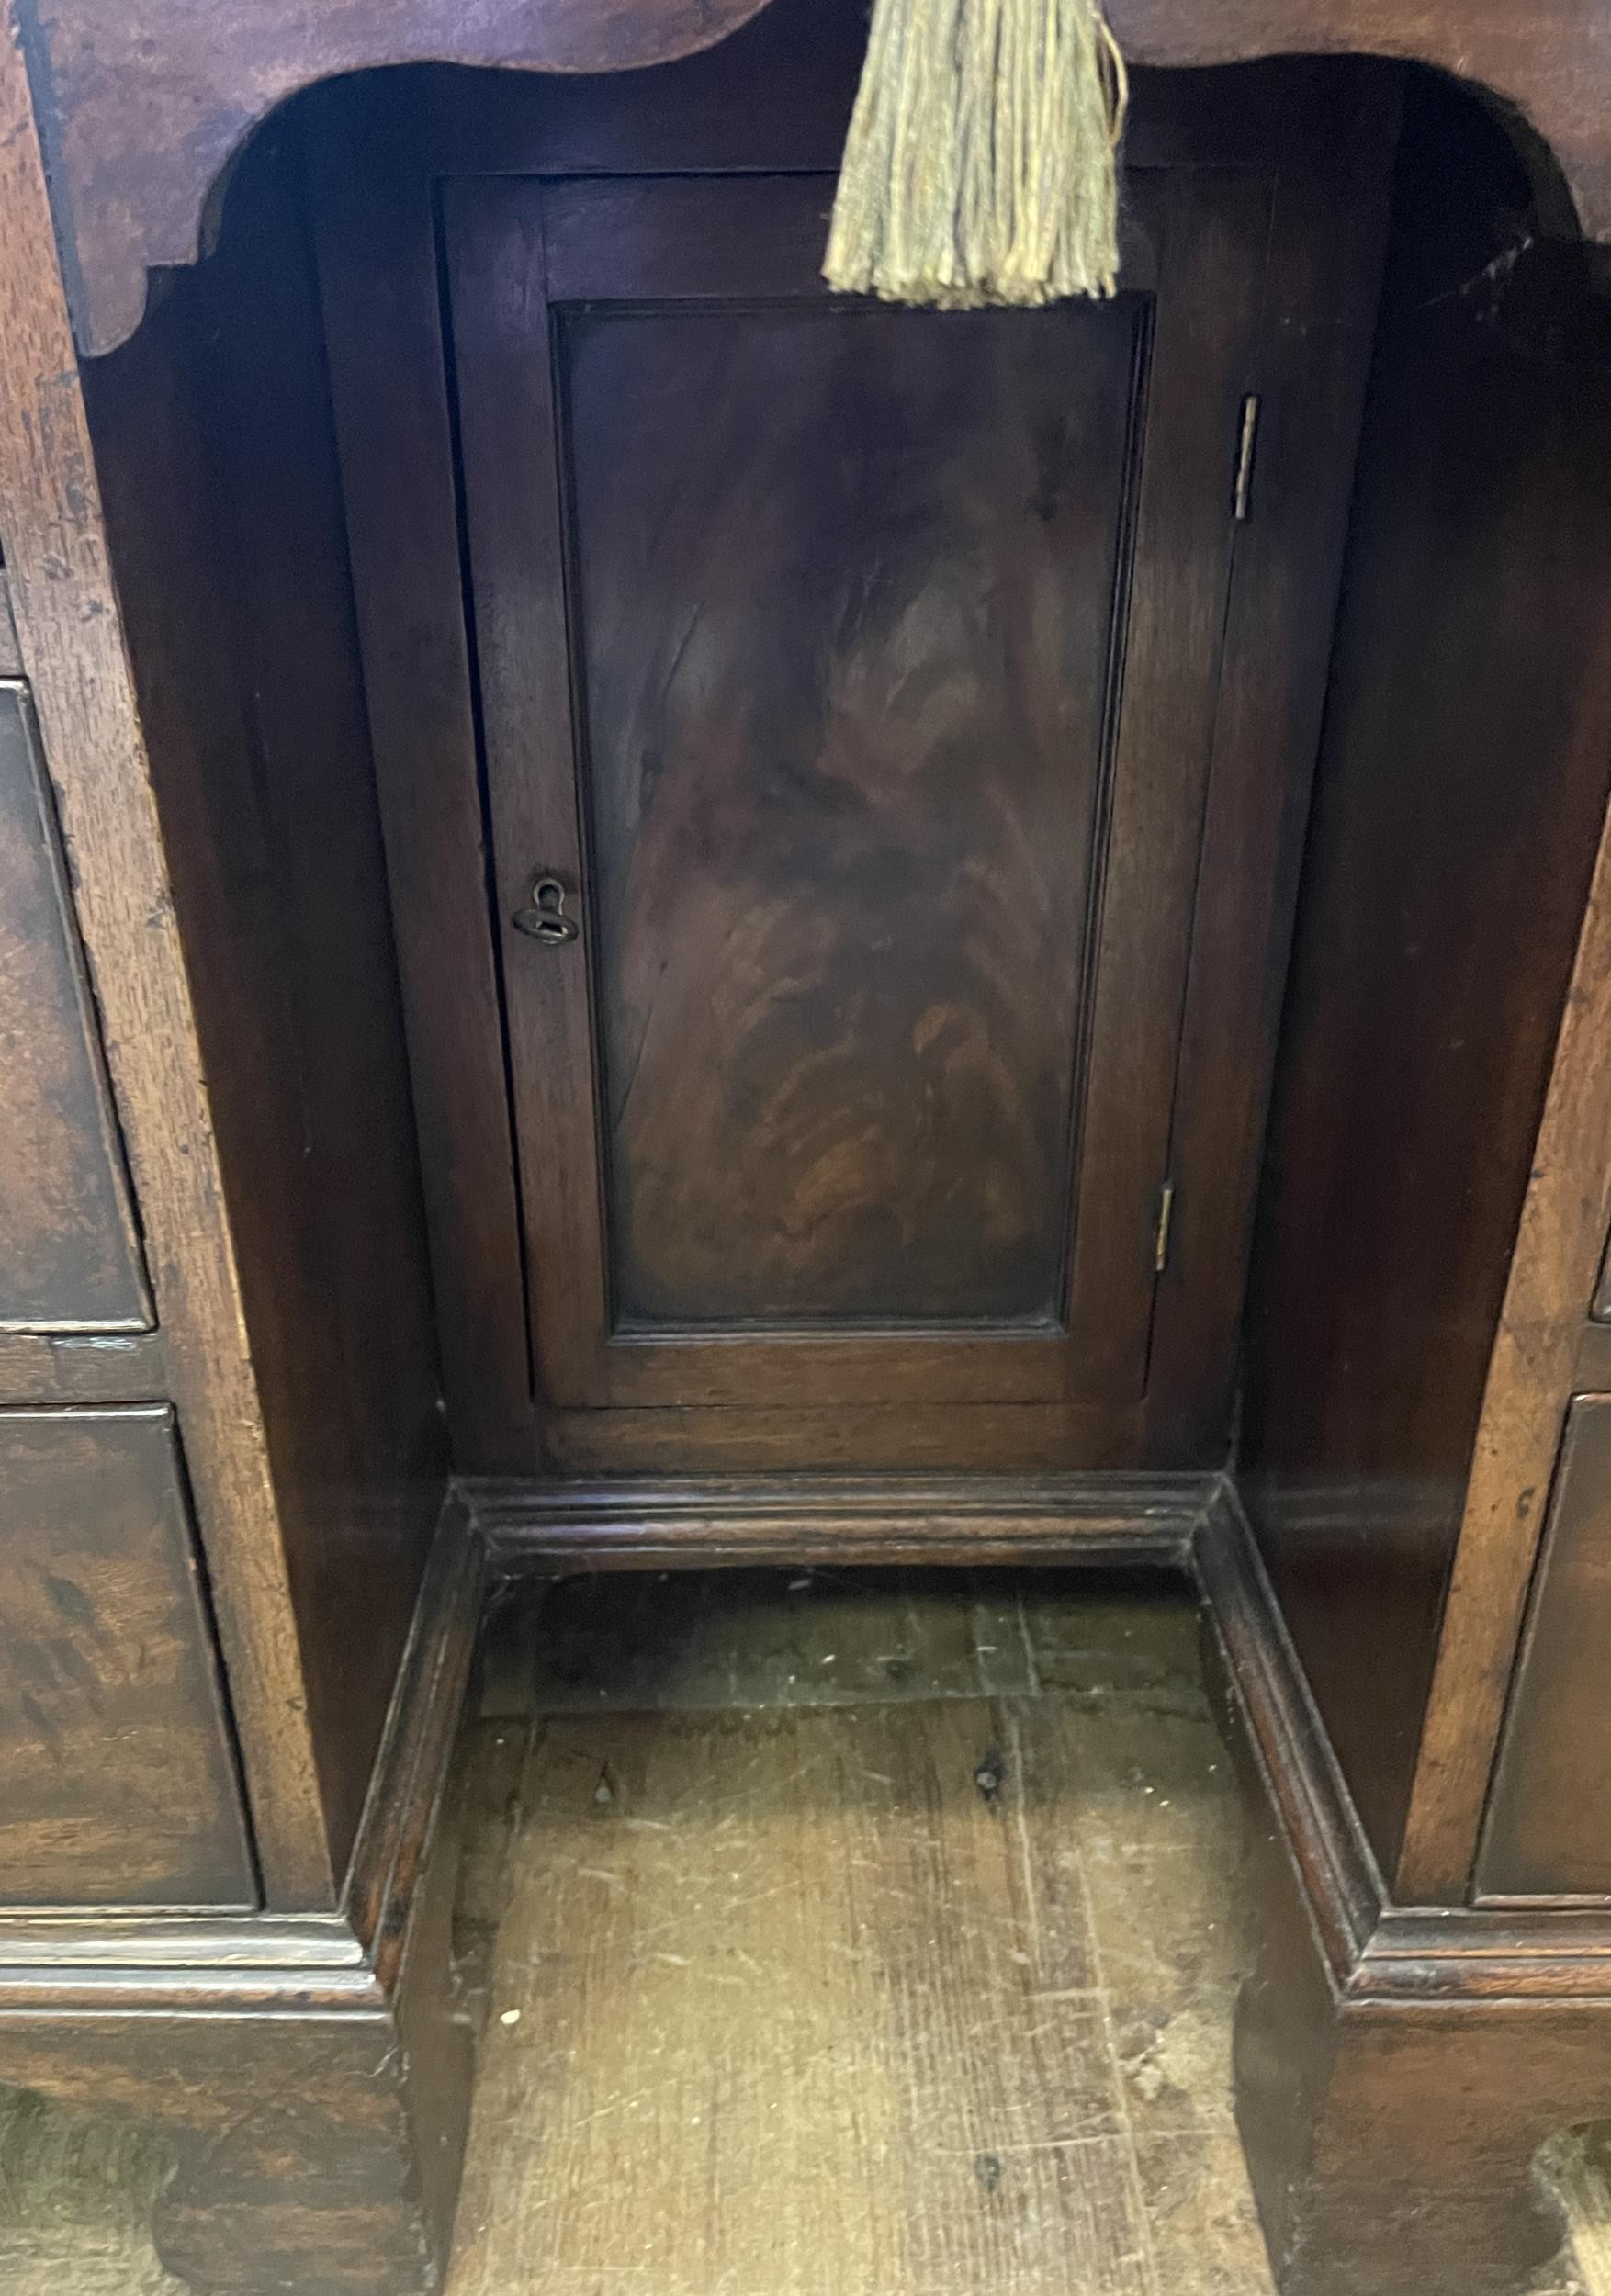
(622, 1524)
(69, 1257)
(786, 1145)
(1547, 1828)
(1419, 1031)
(1015, 1962)
(1395, 2072)
(72, 643)
(1564, 1212)
(259, 768)
(146, 107)
(307, 2079)
(845, 722)
(777, 97)
(1328, 231)
(116, 1774)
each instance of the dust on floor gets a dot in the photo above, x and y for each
(843, 1934)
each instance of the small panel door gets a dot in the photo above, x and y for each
(848, 678)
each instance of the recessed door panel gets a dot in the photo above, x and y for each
(844, 676)
(848, 678)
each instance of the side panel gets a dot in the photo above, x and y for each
(213, 433)
(884, 898)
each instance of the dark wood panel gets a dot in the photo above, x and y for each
(371, 192)
(69, 1258)
(1000, 1438)
(688, 1520)
(146, 109)
(215, 432)
(1210, 229)
(1459, 800)
(74, 636)
(117, 1780)
(1328, 236)
(845, 715)
(776, 95)
(776, 98)
(686, 240)
(1591, 1373)
(10, 651)
(1549, 1828)
(1601, 1311)
(83, 1367)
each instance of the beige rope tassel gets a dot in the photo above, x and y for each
(981, 165)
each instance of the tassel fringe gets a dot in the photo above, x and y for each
(981, 163)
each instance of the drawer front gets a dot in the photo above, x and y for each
(10, 653)
(118, 1783)
(1548, 1830)
(69, 1259)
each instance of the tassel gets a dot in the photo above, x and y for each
(981, 165)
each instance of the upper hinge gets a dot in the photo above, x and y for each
(1161, 1233)
(1246, 441)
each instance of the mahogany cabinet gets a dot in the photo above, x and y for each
(646, 916)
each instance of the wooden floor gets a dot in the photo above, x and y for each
(843, 1935)
(857, 1936)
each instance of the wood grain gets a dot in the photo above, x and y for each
(369, 186)
(859, 1122)
(775, 98)
(117, 1776)
(67, 619)
(1328, 226)
(10, 652)
(743, 1887)
(275, 846)
(83, 1367)
(841, 799)
(1547, 1827)
(983, 1439)
(306, 2088)
(1416, 1040)
(145, 111)
(624, 1524)
(69, 1257)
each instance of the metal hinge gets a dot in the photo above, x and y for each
(1246, 440)
(1161, 1233)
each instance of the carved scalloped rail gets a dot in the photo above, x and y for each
(142, 102)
